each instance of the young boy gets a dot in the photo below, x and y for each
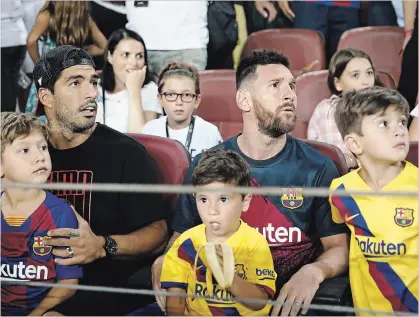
(383, 261)
(180, 96)
(220, 213)
(26, 217)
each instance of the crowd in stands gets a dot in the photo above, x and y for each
(86, 85)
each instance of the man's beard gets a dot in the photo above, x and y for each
(66, 117)
(275, 124)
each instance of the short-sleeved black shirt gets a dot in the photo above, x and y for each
(109, 157)
(291, 223)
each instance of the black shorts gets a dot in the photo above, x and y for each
(86, 303)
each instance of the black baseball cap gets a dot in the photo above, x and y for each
(48, 69)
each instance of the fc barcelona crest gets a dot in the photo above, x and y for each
(240, 271)
(292, 198)
(403, 217)
(39, 248)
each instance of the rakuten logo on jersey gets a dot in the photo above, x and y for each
(24, 272)
(280, 235)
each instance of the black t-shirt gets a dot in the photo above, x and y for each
(291, 223)
(108, 156)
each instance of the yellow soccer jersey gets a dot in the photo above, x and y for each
(253, 262)
(383, 259)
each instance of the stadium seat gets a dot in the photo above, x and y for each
(387, 79)
(171, 158)
(311, 89)
(304, 48)
(332, 152)
(412, 156)
(381, 43)
(218, 104)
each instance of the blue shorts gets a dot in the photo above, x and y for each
(150, 310)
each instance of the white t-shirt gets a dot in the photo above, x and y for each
(415, 112)
(205, 135)
(398, 8)
(170, 25)
(13, 29)
(116, 106)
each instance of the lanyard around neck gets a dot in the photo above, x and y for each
(190, 132)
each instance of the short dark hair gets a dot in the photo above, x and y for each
(223, 166)
(247, 67)
(338, 65)
(355, 105)
(108, 75)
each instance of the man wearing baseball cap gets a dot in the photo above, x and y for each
(83, 151)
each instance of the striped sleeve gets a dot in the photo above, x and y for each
(336, 216)
(68, 220)
(175, 270)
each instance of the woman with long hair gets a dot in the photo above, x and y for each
(127, 93)
(349, 69)
(65, 23)
(62, 23)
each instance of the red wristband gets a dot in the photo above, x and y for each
(408, 32)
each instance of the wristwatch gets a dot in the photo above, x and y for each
(111, 247)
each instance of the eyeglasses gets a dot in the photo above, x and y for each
(172, 96)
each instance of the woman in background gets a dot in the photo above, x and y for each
(62, 23)
(127, 95)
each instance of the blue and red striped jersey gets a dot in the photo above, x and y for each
(25, 257)
(349, 4)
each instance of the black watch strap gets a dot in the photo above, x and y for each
(111, 247)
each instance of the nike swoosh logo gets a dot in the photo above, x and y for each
(351, 217)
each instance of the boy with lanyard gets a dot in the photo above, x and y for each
(179, 94)
(383, 260)
(26, 217)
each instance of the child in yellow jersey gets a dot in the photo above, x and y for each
(383, 261)
(220, 213)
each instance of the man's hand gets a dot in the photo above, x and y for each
(155, 279)
(286, 10)
(83, 246)
(266, 9)
(299, 291)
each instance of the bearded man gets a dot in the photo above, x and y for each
(307, 246)
(116, 231)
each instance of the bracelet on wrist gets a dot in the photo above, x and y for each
(408, 32)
